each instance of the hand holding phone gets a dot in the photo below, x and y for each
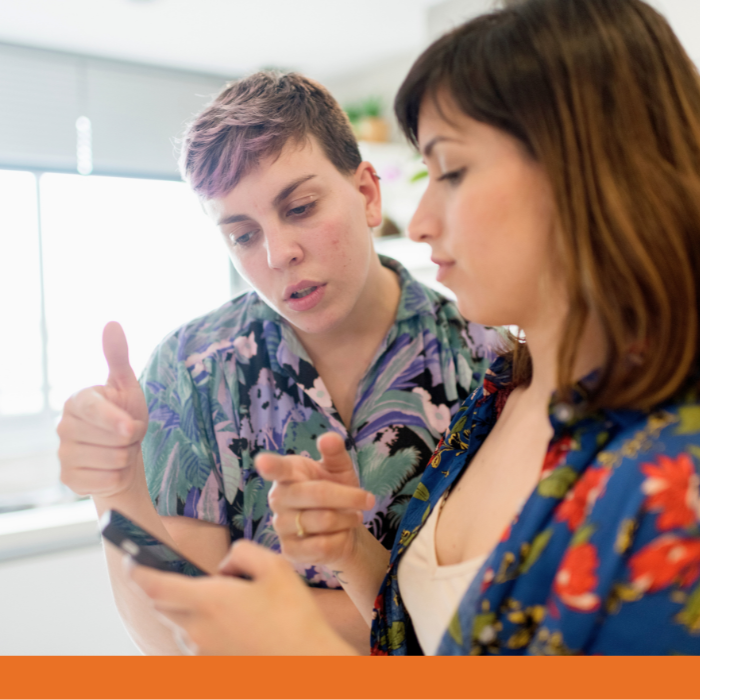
(143, 547)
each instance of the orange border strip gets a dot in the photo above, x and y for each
(333, 678)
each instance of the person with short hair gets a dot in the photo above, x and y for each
(560, 512)
(333, 338)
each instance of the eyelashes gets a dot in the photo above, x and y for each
(296, 213)
(301, 210)
(453, 177)
(243, 239)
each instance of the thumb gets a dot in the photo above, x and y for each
(333, 455)
(115, 347)
(249, 559)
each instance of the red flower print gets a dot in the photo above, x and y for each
(556, 455)
(378, 606)
(580, 498)
(665, 561)
(489, 386)
(671, 488)
(436, 452)
(377, 651)
(576, 578)
(501, 398)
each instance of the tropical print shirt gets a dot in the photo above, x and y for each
(603, 558)
(237, 382)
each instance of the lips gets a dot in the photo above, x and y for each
(444, 267)
(301, 289)
(304, 295)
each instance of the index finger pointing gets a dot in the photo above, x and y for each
(321, 495)
(285, 468)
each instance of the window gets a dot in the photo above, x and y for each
(76, 252)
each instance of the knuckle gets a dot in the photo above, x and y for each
(317, 489)
(62, 452)
(120, 457)
(123, 456)
(329, 520)
(88, 409)
(273, 498)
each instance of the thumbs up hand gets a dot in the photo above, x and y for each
(102, 427)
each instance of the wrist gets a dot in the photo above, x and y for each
(351, 558)
(130, 500)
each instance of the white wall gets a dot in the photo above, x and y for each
(385, 77)
(60, 604)
(684, 16)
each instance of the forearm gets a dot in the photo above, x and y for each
(362, 573)
(149, 633)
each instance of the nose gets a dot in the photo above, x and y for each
(282, 248)
(425, 225)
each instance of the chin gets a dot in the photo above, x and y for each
(314, 323)
(479, 311)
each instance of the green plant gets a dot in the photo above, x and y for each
(370, 107)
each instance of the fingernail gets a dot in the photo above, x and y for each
(370, 501)
(123, 429)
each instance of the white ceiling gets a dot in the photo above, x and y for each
(323, 38)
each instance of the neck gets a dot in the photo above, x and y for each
(543, 340)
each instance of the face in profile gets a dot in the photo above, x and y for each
(298, 230)
(488, 213)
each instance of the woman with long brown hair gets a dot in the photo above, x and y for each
(559, 513)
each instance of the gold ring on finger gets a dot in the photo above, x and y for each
(300, 530)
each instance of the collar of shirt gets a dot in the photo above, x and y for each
(288, 356)
(566, 413)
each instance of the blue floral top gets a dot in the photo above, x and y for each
(237, 381)
(603, 557)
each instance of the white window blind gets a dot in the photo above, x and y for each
(137, 113)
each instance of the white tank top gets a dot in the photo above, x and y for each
(431, 593)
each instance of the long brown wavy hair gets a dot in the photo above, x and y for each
(604, 96)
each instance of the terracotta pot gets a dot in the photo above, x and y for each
(373, 129)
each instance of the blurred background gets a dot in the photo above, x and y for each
(95, 225)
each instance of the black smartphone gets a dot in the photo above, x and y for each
(143, 546)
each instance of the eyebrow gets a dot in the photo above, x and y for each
(233, 219)
(281, 196)
(277, 200)
(427, 152)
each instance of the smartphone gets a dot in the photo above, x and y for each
(143, 546)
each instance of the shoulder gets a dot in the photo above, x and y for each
(651, 480)
(668, 435)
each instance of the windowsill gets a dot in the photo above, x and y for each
(48, 529)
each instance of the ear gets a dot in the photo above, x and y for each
(368, 184)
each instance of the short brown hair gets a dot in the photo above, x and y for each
(254, 118)
(603, 95)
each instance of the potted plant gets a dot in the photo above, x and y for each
(367, 120)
